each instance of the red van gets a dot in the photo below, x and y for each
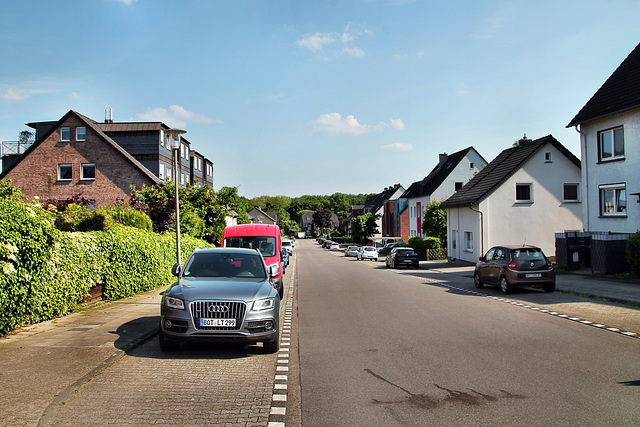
(265, 238)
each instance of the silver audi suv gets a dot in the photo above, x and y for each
(222, 295)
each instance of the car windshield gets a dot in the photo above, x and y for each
(265, 244)
(225, 265)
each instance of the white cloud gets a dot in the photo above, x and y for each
(398, 124)
(316, 41)
(397, 146)
(334, 124)
(345, 41)
(356, 52)
(127, 2)
(175, 116)
(12, 94)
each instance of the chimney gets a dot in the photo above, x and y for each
(524, 140)
(108, 118)
(443, 158)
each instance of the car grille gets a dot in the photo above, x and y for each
(218, 310)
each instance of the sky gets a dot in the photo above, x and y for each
(316, 97)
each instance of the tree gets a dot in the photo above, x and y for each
(322, 219)
(364, 226)
(25, 137)
(434, 223)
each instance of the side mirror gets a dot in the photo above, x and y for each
(483, 259)
(176, 270)
(274, 270)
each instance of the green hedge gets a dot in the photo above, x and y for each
(47, 272)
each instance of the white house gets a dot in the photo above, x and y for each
(525, 195)
(609, 127)
(449, 175)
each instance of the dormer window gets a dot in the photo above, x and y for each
(65, 134)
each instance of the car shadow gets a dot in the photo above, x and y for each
(139, 338)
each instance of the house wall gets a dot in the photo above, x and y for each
(461, 173)
(509, 222)
(37, 173)
(504, 222)
(459, 221)
(396, 194)
(404, 225)
(626, 171)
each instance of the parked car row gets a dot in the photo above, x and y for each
(505, 266)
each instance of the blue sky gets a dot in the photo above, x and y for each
(316, 97)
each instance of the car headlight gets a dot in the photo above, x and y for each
(173, 302)
(263, 304)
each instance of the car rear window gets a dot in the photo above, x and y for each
(406, 251)
(265, 244)
(369, 248)
(527, 254)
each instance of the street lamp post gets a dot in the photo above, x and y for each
(175, 146)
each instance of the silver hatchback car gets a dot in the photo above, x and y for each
(222, 295)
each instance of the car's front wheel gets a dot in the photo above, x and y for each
(477, 281)
(505, 287)
(167, 344)
(272, 346)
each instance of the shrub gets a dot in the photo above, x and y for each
(192, 225)
(633, 253)
(72, 218)
(422, 245)
(126, 215)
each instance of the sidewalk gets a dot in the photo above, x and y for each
(621, 290)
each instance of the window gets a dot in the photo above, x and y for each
(209, 170)
(470, 165)
(64, 172)
(613, 200)
(183, 150)
(611, 144)
(182, 179)
(65, 134)
(523, 193)
(161, 172)
(88, 171)
(81, 133)
(168, 171)
(547, 157)
(458, 186)
(570, 192)
(468, 241)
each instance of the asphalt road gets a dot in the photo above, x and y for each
(393, 347)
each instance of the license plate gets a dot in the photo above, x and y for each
(218, 322)
(408, 261)
(533, 275)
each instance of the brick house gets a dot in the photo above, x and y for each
(144, 157)
(74, 156)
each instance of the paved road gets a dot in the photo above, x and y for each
(387, 347)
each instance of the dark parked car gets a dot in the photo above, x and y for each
(222, 295)
(513, 266)
(402, 256)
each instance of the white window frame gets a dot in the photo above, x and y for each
(80, 138)
(62, 131)
(161, 172)
(614, 207)
(468, 241)
(82, 166)
(65, 165)
(522, 184)
(547, 157)
(182, 179)
(169, 174)
(564, 194)
(613, 155)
